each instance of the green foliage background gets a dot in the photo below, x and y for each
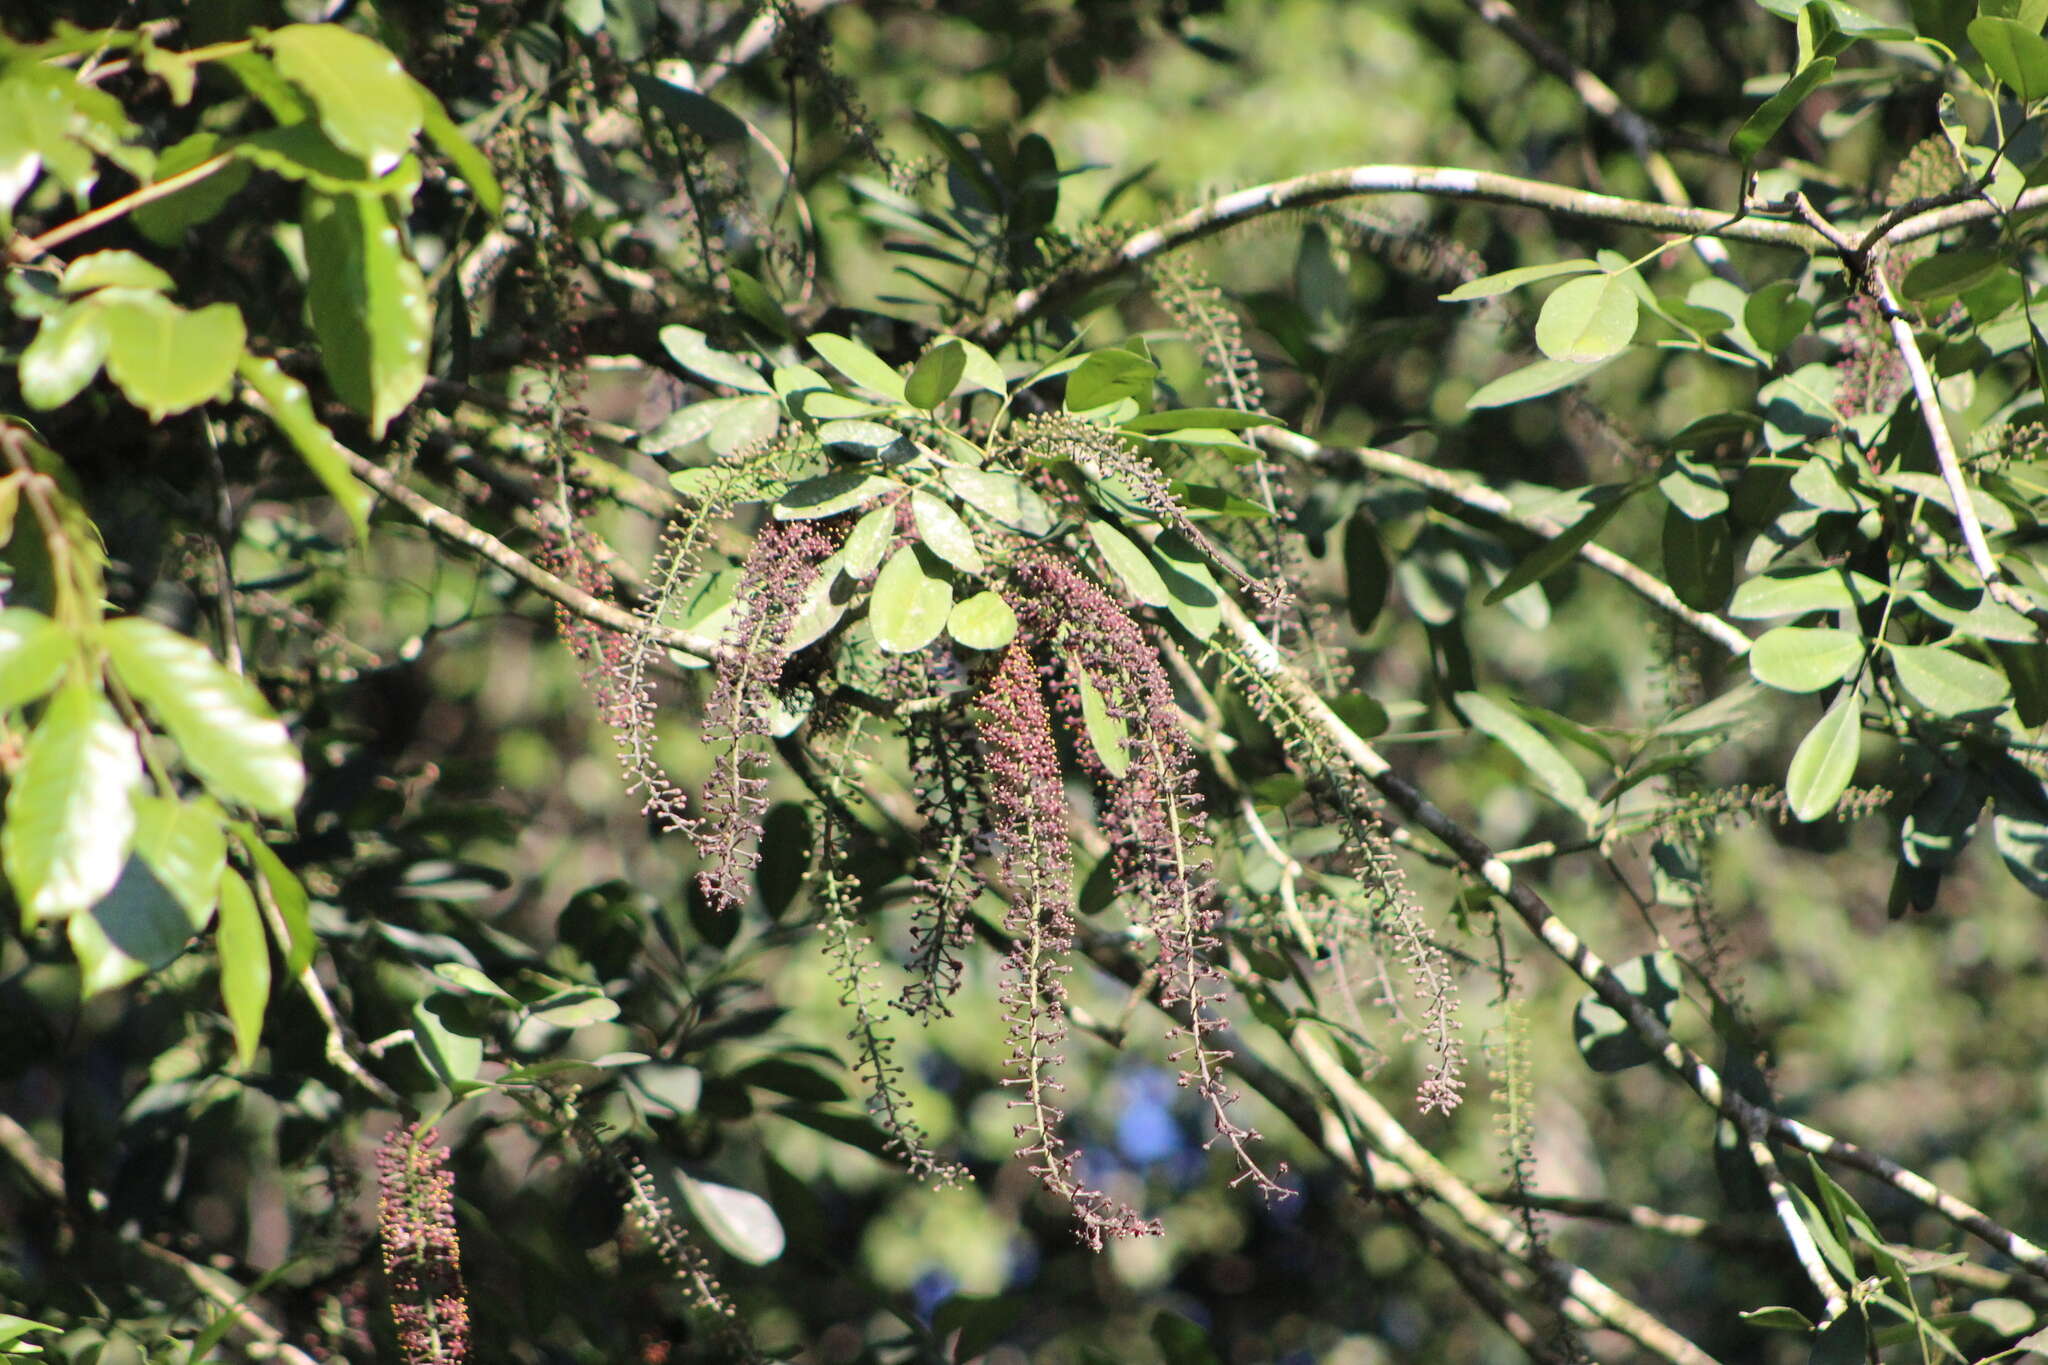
(474, 891)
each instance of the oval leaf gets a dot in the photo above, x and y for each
(694, 354)
(1826, 759)
(69, 816)
(1802, 659)
(908, 607)
(859, 364)
(933, 379)
(1533, 381)
(944, 533)
(738, 1220)
(1489, 286)
(225, 731)
(1588, 319)
(1947, 683)
(369, 304)
(1131, 564)
(365, 101)
(983, 621)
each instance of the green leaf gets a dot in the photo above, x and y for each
(469, 163)
(1108, 734)
(1552, 555)
(944, 533)
(1946, 274)
(450, 1046)
(1805, 659)
(1826, 759)
(371, 312)
(1795, 592)
(1693, 489)
(1108, 376)
(1775, 316)
(1603, 1036)
(756, 302)
(1534, 381)
(292, 410)
(909, 606)
(692, 110)
(1366, 573)
(305, 154)
(70, 346)
(874, 438)
(69, 814)
(1205, 419)
(1760, 127)
(1588, 319)
(2022, 840)
(749, 421)
(933, 378)
(226, 732)
(185, 847)
(1537, 753)
(1699, 559)
(244, 965)
(166, 359)
(2016, 55)
(287, 894)
(859, 364)
(112, 269)
(1181, 1342)
(365, 101)
(738, 1220)
(33, 652)
(1789, 1319)
(868, 541)
(1947, 683)
(694, 353)
(1488, 286)
(827, 495)
(1193, 596)
(1846, 1340)
(2026, 669)
(1001, 497)
(820, 608)
(575, 1009)
(983, 621)
(134, 929)
(1130, 563)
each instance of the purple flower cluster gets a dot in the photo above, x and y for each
(422, 1259)
(1027, 810)
(1154, 817)
(784, 563)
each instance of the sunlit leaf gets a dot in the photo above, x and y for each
(908, 606)
(69, 814)
(244, 965)
(365, 101)
(1825, 760)
(369, 304)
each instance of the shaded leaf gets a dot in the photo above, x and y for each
(933, 378)
(1489, 286)
(1603, 1036)
(1534, 381)
(292, 410)
(369, 303)
(1760, 127)
(738, 1220)
(244, 965)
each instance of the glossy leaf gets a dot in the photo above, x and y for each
(365, 101)
(983, 621)
(1193, 596)
(1506, 281)
(1537, 753)
(935, 375)
(166, 359)
(244, 965)
(292, 410)
(909, 606)
(226, 732)
(868, 541)
(944, 533)
(738, 1220)
(1108, 733)
(1825, 760)
(859, 364)
(185, 847)
(828, 495)
(1001, 497)
(2016, 54)
(694, 353)
(33, 652)
(1948, 683)
(1534, 381)
(1803, 659)
(369, 304)
(1587, 319)
(1693, 489)
(69, 815)
(1760, 127)
(1130, 563)
(70, 346)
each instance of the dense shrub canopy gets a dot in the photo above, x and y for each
(847, 681)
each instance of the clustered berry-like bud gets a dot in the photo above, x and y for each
(945, 774)
(1154, 818)
(1027, 811)
(781, 569)
(422, 1258)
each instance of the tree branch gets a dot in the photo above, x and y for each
(1321, 187)
(453, 530)
(1480, 498)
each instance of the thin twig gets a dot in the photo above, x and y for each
(28, 249)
